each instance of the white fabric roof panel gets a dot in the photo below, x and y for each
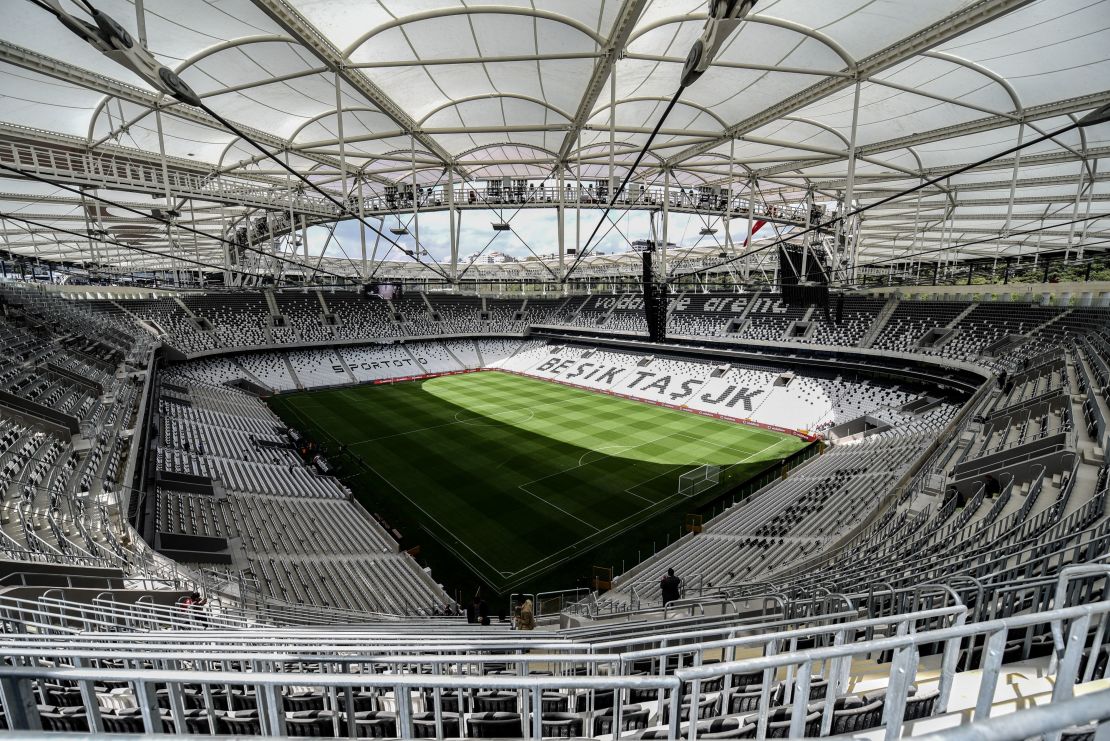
(498, 87)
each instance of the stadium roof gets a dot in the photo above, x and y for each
(526, 88)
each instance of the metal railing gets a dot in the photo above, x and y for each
(653, 197)
(97, 168)
(396, 678)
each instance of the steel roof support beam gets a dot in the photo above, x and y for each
(900, 208)
(308, 36)
(26, 59)
(623, 25)
(1058, 216)
(948, 28)
(991, 123)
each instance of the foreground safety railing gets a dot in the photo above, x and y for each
(53, 613)
(415, 685)
(354, 657)
(1046, 721)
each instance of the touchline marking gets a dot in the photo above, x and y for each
(426, 513)
(552, 504)
(611, 531)
(652, 505)
(603, 457)
(523, 487)
(644, 513)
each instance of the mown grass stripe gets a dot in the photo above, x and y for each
(516, 469)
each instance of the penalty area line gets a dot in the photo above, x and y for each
(552, 504)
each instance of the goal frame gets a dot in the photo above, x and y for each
(698, 480)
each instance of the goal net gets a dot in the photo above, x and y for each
(699, 479)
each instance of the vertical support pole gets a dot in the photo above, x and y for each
(362, 226)
(293, 219)
(196, 245)
(342, 150)
(611, 190)
(805, 245)
(19, 702)
(728, 195)
(377, 240)
(666, 221)
(916, 228)
(578, 199)
(140, 26)
(304, 238)
(1013, 182)
(1087, 211)
(166, 184)
(93, 252)
(227, 255)
(990, 670)
(850, 184)
(454, 272)
(415, 199)
(1075, 209)
(745, 268)
(169, 250)
(276, 266)
(562, 227)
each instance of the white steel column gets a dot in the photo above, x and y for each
(851, 180)
(93, 251)
(611, 190)
(274, 246)
(140, 21)
(292, 215)
(1075, 208)
(916, 229)
(415, 200)
(362, 225)
(562, 215)
(196, 245)
(728, 195)
(1087, 210)
(578, 199)
(745, 267)
(805, 245)
(304, 238)
(228, 234)
(666, 220)
(1013, 182)
(342, 162)
(454, 272)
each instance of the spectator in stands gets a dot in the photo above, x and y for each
(193, 605)
(477, 611)
(526, 619)
(668, 587)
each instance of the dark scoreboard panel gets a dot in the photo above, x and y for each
(389, 291)
(655, 301)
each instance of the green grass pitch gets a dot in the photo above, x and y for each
(514, 475)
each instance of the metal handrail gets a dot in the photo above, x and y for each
(18, 695)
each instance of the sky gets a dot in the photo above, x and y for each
(532, 229)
